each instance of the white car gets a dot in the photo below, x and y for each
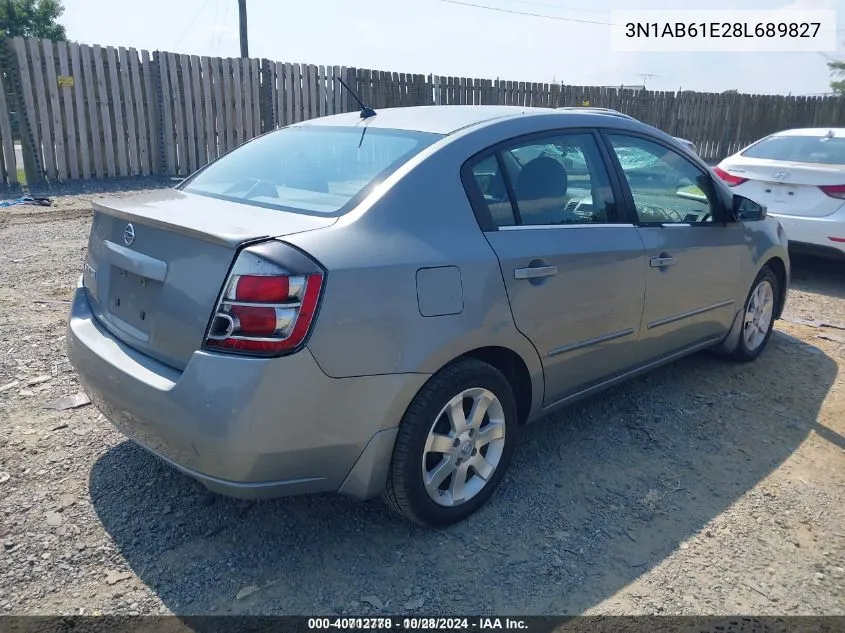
(799, 175)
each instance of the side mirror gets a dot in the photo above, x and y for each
(746, 210)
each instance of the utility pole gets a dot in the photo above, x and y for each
(242, 16)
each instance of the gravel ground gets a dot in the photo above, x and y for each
(704, 488)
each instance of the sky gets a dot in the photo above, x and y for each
(443, 38)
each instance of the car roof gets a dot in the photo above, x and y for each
(448, 119)
(812, 131)
(596, 110)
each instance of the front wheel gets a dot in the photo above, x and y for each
(759, 316)
(454, 444)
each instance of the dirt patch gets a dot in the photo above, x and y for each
(704, 488)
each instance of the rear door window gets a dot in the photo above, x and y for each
(556, 180)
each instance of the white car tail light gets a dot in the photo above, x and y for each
(268, 302)
(729, 179)
(834, 191)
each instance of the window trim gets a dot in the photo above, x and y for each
(617, 210)
(503, 170)
(720, 215)
(475, 196)
(586, 225)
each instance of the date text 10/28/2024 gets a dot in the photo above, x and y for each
(418, 624)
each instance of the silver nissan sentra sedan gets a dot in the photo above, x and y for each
(377, 304)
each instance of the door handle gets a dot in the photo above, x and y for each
(662, 261)
(534, 272)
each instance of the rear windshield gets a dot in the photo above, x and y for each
(800, 149)
(310, 169)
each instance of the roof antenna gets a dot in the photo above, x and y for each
(366, 112)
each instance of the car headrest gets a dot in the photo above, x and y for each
(542, 177)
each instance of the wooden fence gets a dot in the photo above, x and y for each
(97, 112)
(8, 162)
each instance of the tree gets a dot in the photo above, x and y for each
(837, 69)
(32, 18)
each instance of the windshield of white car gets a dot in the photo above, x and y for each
(800, 149)
(310, 169)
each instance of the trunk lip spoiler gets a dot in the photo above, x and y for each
(230, 239)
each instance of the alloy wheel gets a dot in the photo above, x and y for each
(758, 315)
(463, 447)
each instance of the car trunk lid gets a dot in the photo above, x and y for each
(789, 188)
(156, 264)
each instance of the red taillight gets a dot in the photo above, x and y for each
(253, 320)
(841, 240)
(730, 179)
(834, 191)
(269, 310)
(256, 288)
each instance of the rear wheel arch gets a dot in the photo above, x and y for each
(513, 367)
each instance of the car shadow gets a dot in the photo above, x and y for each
(818, 275)
(596, 496)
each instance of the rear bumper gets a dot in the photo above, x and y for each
(245, 427)
(813, 234)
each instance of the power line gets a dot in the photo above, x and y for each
(556, 6)
(214, 26)
(220, 34)
(190, 23)
(546, 16)
(534, 15)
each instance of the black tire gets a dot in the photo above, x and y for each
(743, 353)
(405, 492)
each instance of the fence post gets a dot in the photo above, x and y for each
(728, 124)
(352, 82)
(33, 165)
(267, 94)
(673, 121)
(9, 167)
(156, 70)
